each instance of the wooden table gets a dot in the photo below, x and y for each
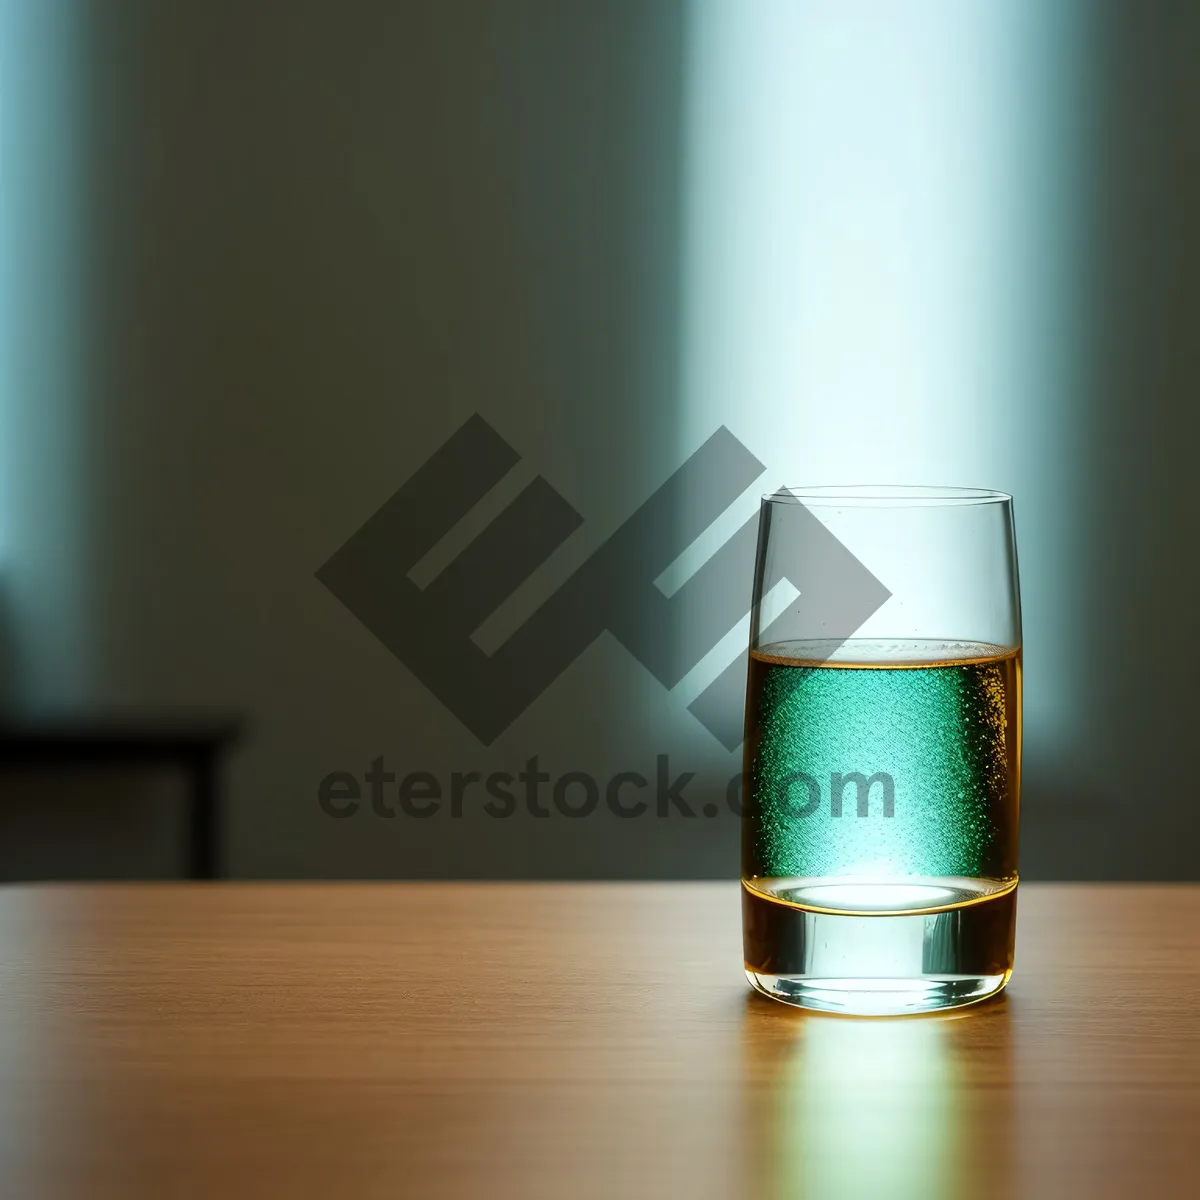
(571, 1040)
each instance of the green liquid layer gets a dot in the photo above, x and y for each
(947, 734)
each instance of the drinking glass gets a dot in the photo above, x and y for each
(883, 749)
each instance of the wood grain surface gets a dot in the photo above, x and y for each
(571, 1040)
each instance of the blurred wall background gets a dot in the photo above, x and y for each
(261, 260)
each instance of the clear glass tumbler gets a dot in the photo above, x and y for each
(883, 749)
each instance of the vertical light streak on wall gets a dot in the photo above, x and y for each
(41, 376)
(877, 262)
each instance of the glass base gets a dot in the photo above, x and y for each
(873, 948)
(878, 997)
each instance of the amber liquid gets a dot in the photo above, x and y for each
(880, 830)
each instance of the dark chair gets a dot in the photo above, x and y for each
(77, 798)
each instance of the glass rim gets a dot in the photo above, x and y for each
(883, 495)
